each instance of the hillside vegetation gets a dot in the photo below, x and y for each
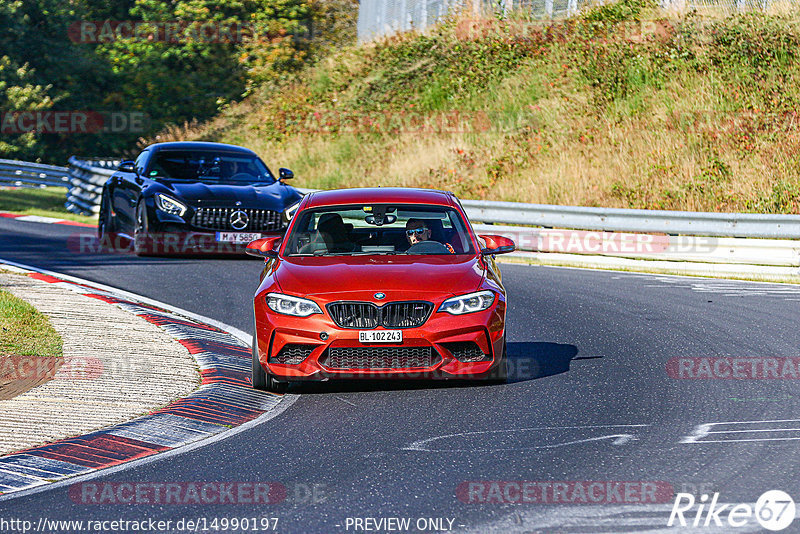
(160, 61)
(622, 106)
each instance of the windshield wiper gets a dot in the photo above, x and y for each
(356, 253)
(370, 253)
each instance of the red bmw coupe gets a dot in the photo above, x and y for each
(379, 283)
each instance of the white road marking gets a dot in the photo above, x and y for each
(702, 431)
(730, 288)
(618, 439)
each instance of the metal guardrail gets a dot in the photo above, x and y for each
(692, 223)
(23, 173)
(683, 248)
(690, 236)
(630, 220)
(86, 184)
(83, 179)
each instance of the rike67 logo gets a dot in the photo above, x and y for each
(774, 510)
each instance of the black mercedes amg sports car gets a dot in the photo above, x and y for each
(194, 197)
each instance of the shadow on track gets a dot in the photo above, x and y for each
(526, 361)
(529, 360)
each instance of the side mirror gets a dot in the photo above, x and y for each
(497, 244)
(285, 174)
(127, 166)
(266, 247)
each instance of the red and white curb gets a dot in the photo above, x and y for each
(45, 220)
(222, 404)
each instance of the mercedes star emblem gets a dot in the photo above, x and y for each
(379, 296)
(239, 220)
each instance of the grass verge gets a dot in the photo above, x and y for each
(26, 331)
(42, 201)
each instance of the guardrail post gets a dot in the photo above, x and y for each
(572, 7)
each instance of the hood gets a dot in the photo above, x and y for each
(275, 196)
(399, 277)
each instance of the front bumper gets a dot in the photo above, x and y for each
(440, 338)
(176, 235)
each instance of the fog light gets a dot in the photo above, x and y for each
(323, 336)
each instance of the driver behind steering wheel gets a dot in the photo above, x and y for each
(236, 171)
(417, 231)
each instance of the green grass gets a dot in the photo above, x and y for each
(45, 202)
(26, 331)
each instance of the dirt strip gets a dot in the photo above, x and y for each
(116, 366)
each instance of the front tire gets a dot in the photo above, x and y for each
(263, 380)
(258, 376)
(106, 227)
(141, 237)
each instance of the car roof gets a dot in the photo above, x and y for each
(199, 145)
(379, 195)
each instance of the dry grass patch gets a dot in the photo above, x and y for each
(695, 117)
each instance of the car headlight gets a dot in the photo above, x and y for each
(289, 212)
(469, 303)
(289, 305)
(170, 205)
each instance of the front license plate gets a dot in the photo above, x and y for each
(380, 336)
(236, 237)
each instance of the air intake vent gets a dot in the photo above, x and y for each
(363, 315)
(258, 220)
(466, 351)
(380, 358)
(292, 354)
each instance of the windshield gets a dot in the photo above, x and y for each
(379, 229)
(208, 166)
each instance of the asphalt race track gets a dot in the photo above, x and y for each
(604, 410)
